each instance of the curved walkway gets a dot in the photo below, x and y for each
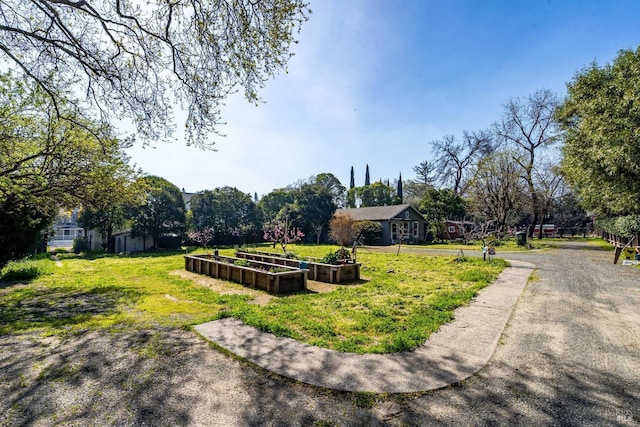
(457, 351)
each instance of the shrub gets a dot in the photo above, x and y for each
(80, 245)
(369, 231)
(242, 262)
(343, 230)
(336, 257)
(25, 270)
(623, 226)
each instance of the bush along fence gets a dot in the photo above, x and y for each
(624, 233)
(272, 278)
(342, 271)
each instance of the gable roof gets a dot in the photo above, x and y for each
(187, 196)
(376, 213)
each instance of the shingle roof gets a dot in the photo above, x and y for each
(375, 213)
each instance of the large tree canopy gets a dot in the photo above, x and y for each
(601, 123)
(45, 163)
(376, 194)
(312, 209)
(162, 211)
(271, 204)
(333, 184)
(136, 60)
(225, 209)
(441, 205)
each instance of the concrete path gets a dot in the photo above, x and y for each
(457, 351)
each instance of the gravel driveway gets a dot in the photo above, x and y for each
(570, 355)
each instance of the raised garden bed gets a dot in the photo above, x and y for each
(327, 273)
(274, 278)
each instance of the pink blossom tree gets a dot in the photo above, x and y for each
(203, 237)
(279, 232)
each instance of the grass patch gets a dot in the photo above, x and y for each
(391, 312)
(601, 243)
(398, 304)
(503, 245)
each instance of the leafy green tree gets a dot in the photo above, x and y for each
(161, 213)
(376, 194)
(567, 212)
(46, 162)
(622, 226)
(270, 204)
(226, 209)
(112, 190)
(383, 194)
(333, 184)
(600, 119)
(442, 204)
(136, 61)
(312, 209)
(439, 205)
(24, 222)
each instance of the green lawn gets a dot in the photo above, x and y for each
(398, 304)
(511, 246)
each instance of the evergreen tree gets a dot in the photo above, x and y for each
(353, 181)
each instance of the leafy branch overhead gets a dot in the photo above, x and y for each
(137, 61)
(600, 119)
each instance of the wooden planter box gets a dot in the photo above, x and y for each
(256, 276)
(327, 273)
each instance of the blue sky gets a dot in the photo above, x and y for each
(375, 81)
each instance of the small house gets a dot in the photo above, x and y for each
(400, 223)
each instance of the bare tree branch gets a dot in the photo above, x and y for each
(138, 62)
(529, 127)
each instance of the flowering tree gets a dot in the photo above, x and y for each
(203, 237)
(280, 232)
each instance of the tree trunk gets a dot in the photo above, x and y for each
(534, 207)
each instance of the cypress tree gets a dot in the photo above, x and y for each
(353, 181)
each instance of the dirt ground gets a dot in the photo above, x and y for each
(154, 377)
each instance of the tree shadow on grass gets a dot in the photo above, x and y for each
(38, 307)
